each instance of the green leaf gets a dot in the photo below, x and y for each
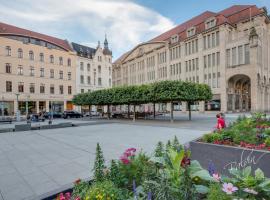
(201, 189)
(247, 171)
(265, 183)
(203, 174)
(259, 174)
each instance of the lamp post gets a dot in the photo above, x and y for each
(26, 106)
(18, 117)
(2, 106)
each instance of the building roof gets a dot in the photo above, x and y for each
(6, 29)
(83, 51)
(231, 15)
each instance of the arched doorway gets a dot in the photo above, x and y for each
(238, 93)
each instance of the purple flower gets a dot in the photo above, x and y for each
(216, 177)
(229, 188)
(149, 196)
(134, 190)
(211, 168)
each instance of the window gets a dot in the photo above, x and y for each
(69, 90)
(89, 80)
(99, 81)
(20, 70)
(204, 42)
(240, 55)
(205, 78)
(20, 53)
(8, 86)
(42, 88)
(51, 89)
(208, 41)
(32, 71)
(99, 69)
(8, 68)
(191, 32)
(210, 23)
(41, 72)
(214, 80)
(213, 59)
(228, 57)
(51, 73)
(197, 63)
(218, 58)
(31, 55)
(51, 59)
(61, 75)
(20, 87)
(82, 79)
(41, 57)
(81, 66)
(61, 89)
(88, 67)
(247, 59)
(213, 40)
(69, 62)
(234, 56)
(174, 39)
(8, 51)
(218, 79)
(69, 75)
(217, 38)
(60, 60)
(82, 90)
(209, 60)
(209, 80)
(32, 88)
(205, 61)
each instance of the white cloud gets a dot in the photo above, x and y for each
(125, 22)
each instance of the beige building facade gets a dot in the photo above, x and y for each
(228, 50)
(37, 74)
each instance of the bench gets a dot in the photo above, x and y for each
(6, 120)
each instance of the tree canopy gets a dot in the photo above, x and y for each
(158, 92)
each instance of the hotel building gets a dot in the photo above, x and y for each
(228, 50)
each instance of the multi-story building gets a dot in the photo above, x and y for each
(228, 50)
(94, 68)
(37, 72)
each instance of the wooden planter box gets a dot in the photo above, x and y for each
(226, 157)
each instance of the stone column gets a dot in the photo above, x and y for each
(15, 107)
(37, 106)
(233, 102)
(201, 106)
(65, 105)
(47, 106)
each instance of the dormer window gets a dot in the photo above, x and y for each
(174, 39)
(210, 23)
(191, 31)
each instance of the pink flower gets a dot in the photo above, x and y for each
(124, 159)
(130, 152)
(251, 191)
(77, 198)
(216, 177)
(228, 188)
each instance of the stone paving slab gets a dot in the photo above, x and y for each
(33, 163)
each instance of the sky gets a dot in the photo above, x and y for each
(125, 22)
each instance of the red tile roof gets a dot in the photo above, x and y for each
(230, 15)
(6, 29)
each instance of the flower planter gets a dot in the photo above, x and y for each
(226, 157)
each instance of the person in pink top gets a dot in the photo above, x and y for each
(220, 122)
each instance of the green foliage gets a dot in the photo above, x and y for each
(176, 145)
(215, 193)
(267, 142)
(99, 165)
(159, 151)
(114, 175)
(163, 91)
(80, 189)
(103, 191)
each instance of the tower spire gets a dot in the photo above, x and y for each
(106, 44)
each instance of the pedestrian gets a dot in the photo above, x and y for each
(220, 122)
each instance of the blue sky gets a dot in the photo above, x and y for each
(126, 22)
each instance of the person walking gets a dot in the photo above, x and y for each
(220, 122)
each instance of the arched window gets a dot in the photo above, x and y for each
(20, 53)
(31, 55)
(41, 57)
(8, 51)
(51, 59)
(69, 62)
(60, 60)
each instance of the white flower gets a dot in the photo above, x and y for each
(251, 191)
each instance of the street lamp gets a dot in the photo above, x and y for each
(18, 117)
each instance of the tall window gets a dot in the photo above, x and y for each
(228, 57)
(69, 90)
(20, 87)
(217, 38)
(240, 55)
(8, 86)
(81, 66)
(61, 89)
(204, 42)
(51, 59)
(69, 75)
(51, 73)
(42, 88)
(41, 57)
(51, 89)
(32, 88)
(99, 82)
(218, 79)
(20, 53)
(61, 75)
(60, 60)
(218, 58)
(69, 62)
(20, 70)
(82, 79)
(88, 67)
(31, 55)
(41, 72)
(88, 80)
(99, 69)
(247, 59)
(8, 51)
(32, 71)
(234, 56)
(8, 68)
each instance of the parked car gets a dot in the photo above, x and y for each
(47, 115)
(37, 118)
(92, 113)
(72, 114)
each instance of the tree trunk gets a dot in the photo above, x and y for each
(89, 107)
(128, 111)
(108, 111)
(171, 112)
(134, 113)
(189, 111)
(154, 108)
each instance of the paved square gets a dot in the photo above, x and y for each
(34, 163)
